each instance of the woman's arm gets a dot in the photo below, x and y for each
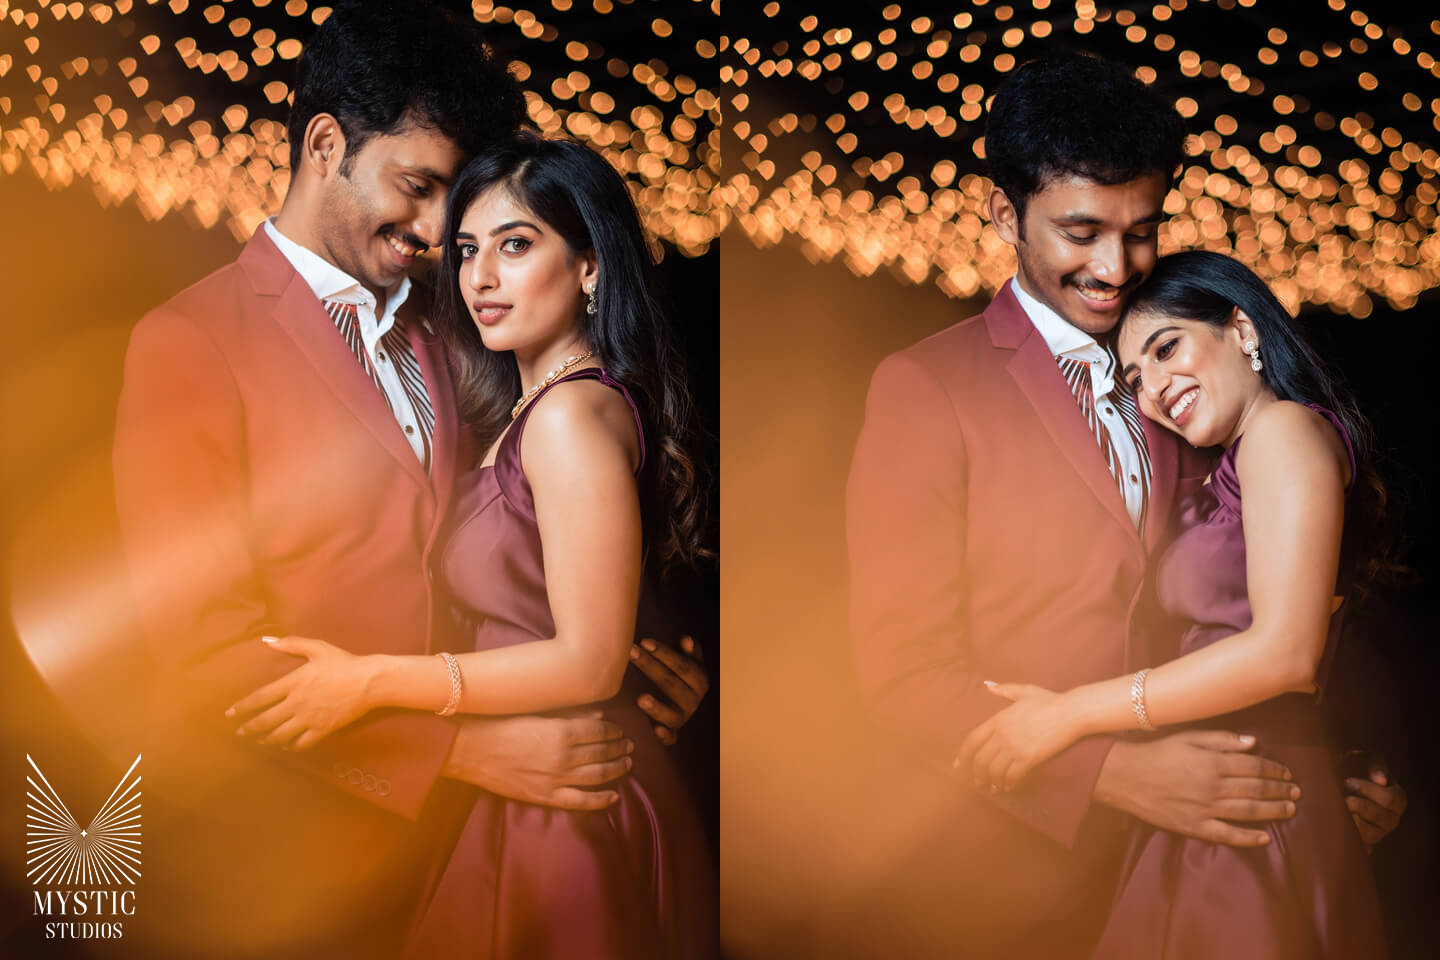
(579, 452)
(1293, 470)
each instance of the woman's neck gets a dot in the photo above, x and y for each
(535, 365)
(1262, 399)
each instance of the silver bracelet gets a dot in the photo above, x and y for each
(455, 685)
(1137, 699)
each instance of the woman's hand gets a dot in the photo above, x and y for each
(1002, 750)
(311, 701)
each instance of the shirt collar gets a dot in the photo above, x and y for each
(1064, 339)
(329, 282)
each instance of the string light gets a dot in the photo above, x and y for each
(180, 107)
(1330, 206)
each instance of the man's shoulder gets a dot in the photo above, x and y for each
(208, 300)
(954, 355)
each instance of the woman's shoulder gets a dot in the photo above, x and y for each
(1294, 438)
(585, 416)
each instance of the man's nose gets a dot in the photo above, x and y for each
(1110, 263)
(429, 226)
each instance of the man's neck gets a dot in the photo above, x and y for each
(292, 222)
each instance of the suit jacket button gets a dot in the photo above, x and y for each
(369, 781)
(355, 775)
(340, 770)
(383, 788)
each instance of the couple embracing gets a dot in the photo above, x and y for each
(395, 540)
(1100, 539)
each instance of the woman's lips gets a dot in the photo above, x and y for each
(488, 313)
(1184, 405)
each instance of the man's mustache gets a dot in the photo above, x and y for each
(409, 239)
(1087, 284)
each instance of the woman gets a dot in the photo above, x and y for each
(1212, 355)
(565, 370)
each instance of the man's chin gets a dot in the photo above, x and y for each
(1093, 316)
(383, 276)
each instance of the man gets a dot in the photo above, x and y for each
(286, 451)
(1004, 499)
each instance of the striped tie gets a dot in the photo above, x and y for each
(1077, 375)
(397, 345)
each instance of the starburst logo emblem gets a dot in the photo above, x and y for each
(62, 852)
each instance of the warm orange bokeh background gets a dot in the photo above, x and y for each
(817, 811)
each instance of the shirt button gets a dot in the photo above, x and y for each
(1134, 479)
(409, 429)
(380, 356)
(1109, 412)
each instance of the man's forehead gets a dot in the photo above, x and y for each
(422, 149)
(1073, 197)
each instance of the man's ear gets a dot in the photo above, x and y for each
(1005, 217)
(322, 149)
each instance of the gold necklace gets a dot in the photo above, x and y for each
(550, 378)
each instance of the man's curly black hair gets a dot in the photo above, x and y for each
(1076, 115)
(378, 66)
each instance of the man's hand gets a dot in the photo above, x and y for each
(1192, 782)
(545, 760)
(1376, 805)
(681, 677)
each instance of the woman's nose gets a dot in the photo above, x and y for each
(479, 273)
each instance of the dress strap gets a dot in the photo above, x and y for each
(508, 471)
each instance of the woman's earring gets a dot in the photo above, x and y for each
(1252, 350)
(590, 307)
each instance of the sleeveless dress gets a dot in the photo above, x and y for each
(529, 881)
(1310, 892)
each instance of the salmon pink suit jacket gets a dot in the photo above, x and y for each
(988, 541)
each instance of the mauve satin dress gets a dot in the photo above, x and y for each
(1309, 893)
(635, 880)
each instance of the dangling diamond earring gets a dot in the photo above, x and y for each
(1252, 350)
(590, 307)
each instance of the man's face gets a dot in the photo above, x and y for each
(1083, 246)
(390, 205)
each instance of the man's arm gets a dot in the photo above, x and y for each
(906, 506)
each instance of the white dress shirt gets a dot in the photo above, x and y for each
(331, 283)
(1066, 340)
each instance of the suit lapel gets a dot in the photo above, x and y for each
(305, 320)
(436, 371)
(1036, 373)
(299, 314)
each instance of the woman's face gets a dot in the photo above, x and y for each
(1190, 376)
(523, 285)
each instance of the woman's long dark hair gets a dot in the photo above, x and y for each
(1207, 287)
(577, 194)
